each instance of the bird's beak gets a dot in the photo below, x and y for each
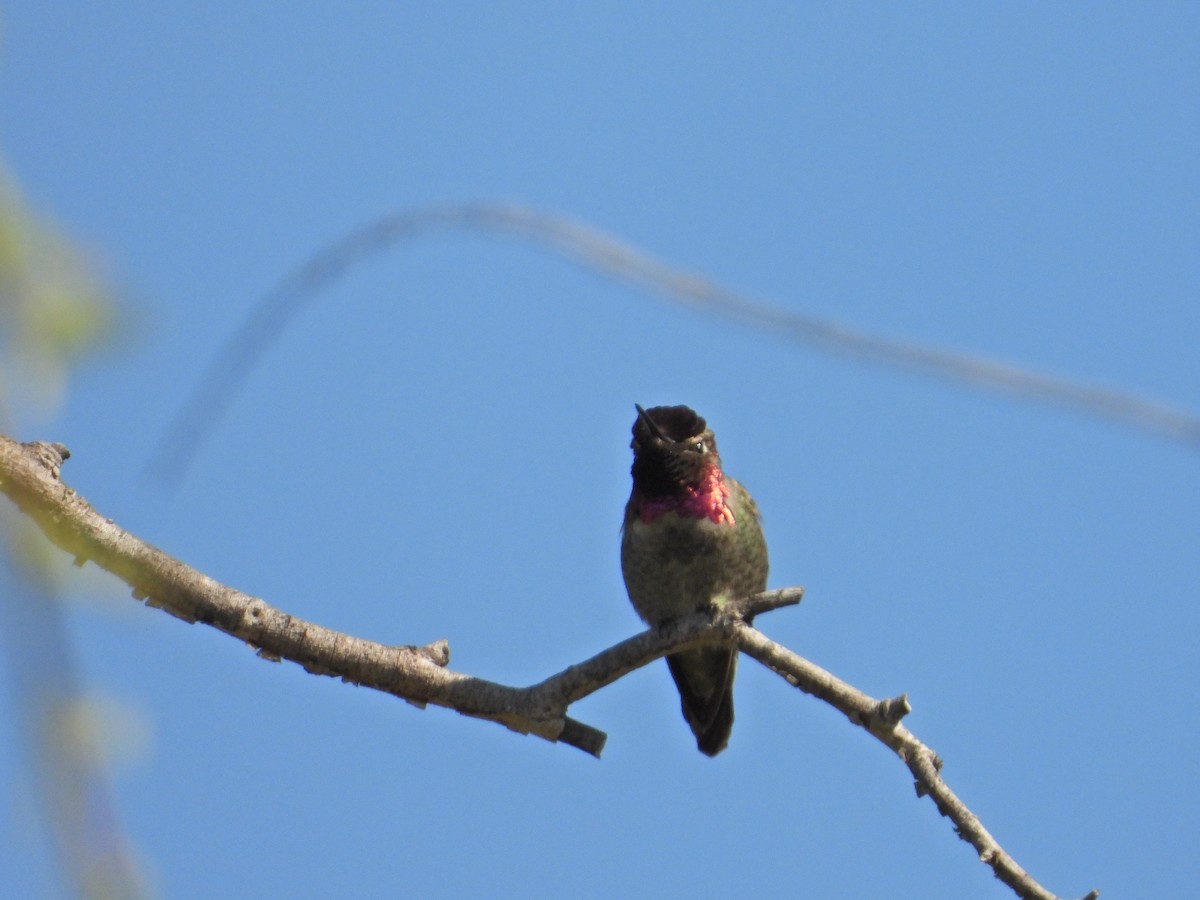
(650, 424)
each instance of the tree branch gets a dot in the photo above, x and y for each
(29, 475)
(882, 719)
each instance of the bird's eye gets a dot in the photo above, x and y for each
(699, 447)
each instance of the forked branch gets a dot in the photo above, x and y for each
(29, 475)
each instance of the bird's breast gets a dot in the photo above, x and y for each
(675, 565)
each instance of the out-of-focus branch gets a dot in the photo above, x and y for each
(29, 475)
(618, 259)
(55, 310)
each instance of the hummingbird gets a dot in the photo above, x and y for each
(691, 541)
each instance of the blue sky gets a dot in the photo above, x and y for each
(438, 446)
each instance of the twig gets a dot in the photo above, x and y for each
(882, 719)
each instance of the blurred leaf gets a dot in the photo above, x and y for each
(53, 307)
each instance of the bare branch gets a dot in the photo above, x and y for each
(29, 475)
(618, 259)
(882, 719)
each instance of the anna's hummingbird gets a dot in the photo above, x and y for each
(691, 541)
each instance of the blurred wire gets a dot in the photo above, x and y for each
(607, 254)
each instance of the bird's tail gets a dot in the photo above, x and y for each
(705, 681)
